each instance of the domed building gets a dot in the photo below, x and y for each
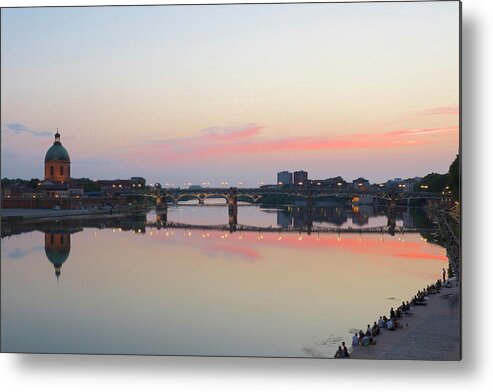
(57, 246)
(57, 249)
(57, 162)
(57, 183)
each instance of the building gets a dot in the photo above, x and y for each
(284, 178)
(406, 186)
(57, 182)
(140, 182)
(361, 184)
(331, 183)
(57, 162)
(300, 177)
(57, 246)
(111, 187)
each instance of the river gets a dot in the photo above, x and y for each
(129, 288)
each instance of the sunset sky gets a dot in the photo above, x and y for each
(181, 94)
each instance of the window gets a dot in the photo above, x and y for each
(68, 171)
(52, 239)
(52, 171)
(61, 170)
(61, 240)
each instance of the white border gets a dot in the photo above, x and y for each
(85, 373)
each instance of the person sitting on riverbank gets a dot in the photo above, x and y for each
(345, 353)
(389, 325)
(368, 330)
(375, 330)
(405, 308)
(355, 339)
(368, 340)
(339, 353)
(361, 336)
(381, 323)
(392, 313)
(418, 300)
(397, 324)
(398, 313)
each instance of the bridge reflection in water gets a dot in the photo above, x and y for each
(231, 196)
(290, 219)
(309, 220)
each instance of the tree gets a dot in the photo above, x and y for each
(454, 176)
(34, 183)
(435, 182)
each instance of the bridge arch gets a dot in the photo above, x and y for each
(215, 196)
(251, 198)
(187, 196)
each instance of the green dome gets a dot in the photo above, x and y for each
(57, 153)
(57, 257)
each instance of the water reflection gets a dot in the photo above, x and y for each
(160, 290)
(344, 217)
(57, 246)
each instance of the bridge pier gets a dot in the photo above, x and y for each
(232, 209)
(391, 222)
(161, 219)
(309, 212)
(161, 204)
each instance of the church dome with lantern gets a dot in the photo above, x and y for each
(57, 162)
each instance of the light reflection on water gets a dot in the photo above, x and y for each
(203, 292)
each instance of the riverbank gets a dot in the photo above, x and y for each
(433, 332)
(28, 215)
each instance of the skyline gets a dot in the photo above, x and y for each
(239, 91)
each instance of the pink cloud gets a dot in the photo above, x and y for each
(229, 134)
(442, 110)
(231, 249)
(422, 131)
(247, 139)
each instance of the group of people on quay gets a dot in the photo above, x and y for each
(394, 321)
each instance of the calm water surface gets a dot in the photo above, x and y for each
(179, 292)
